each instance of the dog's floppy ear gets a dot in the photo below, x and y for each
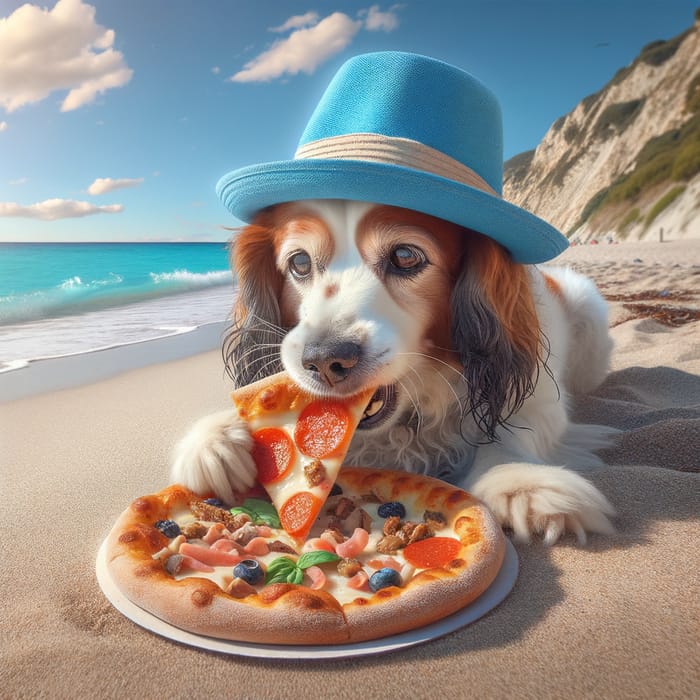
(251, 345)
(496, 333)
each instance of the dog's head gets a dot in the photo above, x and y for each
(346, 295)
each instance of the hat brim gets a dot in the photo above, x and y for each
(248, 190)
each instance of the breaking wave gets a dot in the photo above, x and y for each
(75, 294)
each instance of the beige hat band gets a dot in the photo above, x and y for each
(393, 150)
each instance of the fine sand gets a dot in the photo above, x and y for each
(618, 618)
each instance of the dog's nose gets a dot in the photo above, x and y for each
(330, 362)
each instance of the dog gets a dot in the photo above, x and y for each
(475, 350)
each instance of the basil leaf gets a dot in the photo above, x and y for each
(296, 576)
(315, 558)
(284, 569)
(259, 506)
(260, 512)
(280, 577)
(279, 570)
(268, 519)
(281, 564)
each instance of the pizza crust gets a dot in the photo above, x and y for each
(250, 400)
(290, 614)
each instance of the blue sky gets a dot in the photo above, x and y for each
(117, 117)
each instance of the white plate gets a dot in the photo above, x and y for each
(497, 592)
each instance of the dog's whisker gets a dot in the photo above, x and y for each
(262, 372)
(257, 357)
(260, 368)
(414, 403)
(265, 346)
(258, 323)
(451, 387)
(416, 379)
(418, 376)
(448, 366)
(263, 338)
(453, 391)
(263, 335)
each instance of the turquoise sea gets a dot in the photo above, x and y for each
(65, 298)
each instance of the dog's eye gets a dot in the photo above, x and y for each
(300, 265)
(406, 258)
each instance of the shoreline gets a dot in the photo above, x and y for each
(49, 374)
(13, 365)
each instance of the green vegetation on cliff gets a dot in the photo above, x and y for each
(671, 157)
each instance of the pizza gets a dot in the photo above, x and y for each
(299, 443)
(387, 552)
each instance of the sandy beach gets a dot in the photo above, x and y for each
(80, 437)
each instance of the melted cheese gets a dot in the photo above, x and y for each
(336, 584)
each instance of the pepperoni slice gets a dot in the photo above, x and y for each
(323, 428)
(299, 512)
(273, 453)
(432, 552)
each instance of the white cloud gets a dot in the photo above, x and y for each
(302, 51)
(53, 209)
(313, 42)
(297, 22)
(385, 21)
(18, 181)
(43, 50)
(106, 184)
(216, 70)
(3, 126)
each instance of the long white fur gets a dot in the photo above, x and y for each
(515, 476)
(215, 455)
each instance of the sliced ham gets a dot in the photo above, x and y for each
(353, 545)
(209, 556)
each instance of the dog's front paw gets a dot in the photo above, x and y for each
(533, 499)
(215, 456)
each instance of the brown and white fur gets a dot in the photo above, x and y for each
(481, 355)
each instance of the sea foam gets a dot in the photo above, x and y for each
(191, 280)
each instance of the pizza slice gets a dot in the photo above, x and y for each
(299, 443)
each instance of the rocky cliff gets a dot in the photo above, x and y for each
(625, 163)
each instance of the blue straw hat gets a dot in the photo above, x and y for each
(409, 131)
